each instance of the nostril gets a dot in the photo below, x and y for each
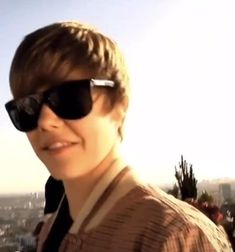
(48, 119)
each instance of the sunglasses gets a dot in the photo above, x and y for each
(70, 100)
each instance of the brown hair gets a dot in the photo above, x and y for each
(48, 54)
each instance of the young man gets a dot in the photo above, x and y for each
(71, 93)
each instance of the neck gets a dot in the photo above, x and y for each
(77, 190)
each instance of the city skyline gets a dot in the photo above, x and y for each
(181, 56)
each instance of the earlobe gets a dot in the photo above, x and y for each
(118, 114)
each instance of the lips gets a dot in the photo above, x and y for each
(57, 145)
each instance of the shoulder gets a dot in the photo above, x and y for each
(168, 223)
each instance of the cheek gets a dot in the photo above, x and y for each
(32, 137)
(104, 131)
(97, 134)
(106, 135)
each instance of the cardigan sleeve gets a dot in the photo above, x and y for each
(190, 239)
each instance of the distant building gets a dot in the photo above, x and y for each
(26, 242)
(7, 248)
(225, 192)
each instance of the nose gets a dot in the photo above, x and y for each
(48, 120)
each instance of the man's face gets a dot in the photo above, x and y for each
(73, 148)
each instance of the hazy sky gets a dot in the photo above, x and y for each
(181, 56)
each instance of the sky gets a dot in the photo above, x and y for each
(181, 57)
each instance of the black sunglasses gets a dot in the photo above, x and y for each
(70, 100)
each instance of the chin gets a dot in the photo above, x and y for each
(64, 174)
(67, 171)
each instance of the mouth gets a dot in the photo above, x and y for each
(57, 146)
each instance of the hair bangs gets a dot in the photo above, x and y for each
(38, 71)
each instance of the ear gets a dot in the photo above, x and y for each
(119, 113)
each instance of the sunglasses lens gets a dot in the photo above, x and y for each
(24, 112)
(71, 100)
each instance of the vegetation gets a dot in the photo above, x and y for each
(187, 185)
(186, 180)
(205, 198)
(174, 191)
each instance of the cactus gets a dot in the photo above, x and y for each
(186, 180)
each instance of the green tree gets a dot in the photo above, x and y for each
(186, 180)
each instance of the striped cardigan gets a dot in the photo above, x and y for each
(130, 215)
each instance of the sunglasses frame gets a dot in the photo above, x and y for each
(11, 106)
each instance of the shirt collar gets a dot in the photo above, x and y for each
(97, 192)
